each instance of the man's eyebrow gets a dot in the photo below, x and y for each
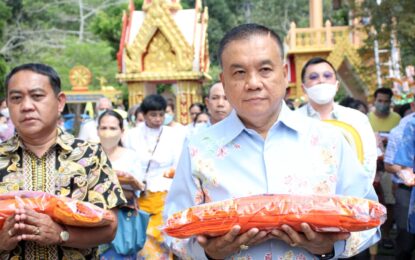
(267, 62)
(13, 91)
(36, 90)
(236, 66)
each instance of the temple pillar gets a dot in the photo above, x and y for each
(136, 93)
(316, 13)
(187, 92)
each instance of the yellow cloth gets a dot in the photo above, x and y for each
(384, 124)
(153, 203)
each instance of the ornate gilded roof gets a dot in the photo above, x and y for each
(164, 41)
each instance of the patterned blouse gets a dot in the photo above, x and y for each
(71, 168)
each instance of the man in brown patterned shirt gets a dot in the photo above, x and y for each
(40, 157)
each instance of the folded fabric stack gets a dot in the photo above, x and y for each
(271, 211)
(61, 209)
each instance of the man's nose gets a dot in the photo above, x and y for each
(27, 104)
(254, 81)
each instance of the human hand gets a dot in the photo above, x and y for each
(315, 242)
(8, 236)
(230, 243)
(128, 180)
(37, 227)
(407, 177)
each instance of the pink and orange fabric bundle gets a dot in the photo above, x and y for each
(62, 210)
(271, 211)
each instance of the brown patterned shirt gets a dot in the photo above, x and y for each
(71, 168)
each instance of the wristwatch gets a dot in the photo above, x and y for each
(326, 256)
(64, 235)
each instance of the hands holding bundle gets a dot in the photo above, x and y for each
(29, 225)
(232, 242)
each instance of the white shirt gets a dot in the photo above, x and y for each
(362, 125)
(89, 131)
(128, 162)
(143, 139)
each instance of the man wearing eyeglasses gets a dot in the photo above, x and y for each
(319, 82)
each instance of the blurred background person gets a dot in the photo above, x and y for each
(6, 132)
(355, 104)
(201, 122)
(170, 117)
(88, 130)
(383, 120)
(217, 104)
(158, 147)
(404, 241)
(139, 116)
(126, 165)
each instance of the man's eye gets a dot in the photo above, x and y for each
(266, 69)
(38, 96)
(15, 98)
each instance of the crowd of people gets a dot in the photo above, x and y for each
(243, 140)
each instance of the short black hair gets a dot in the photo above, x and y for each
(386, 91)
(403, 109)
(313, 61)
(39, 68)
(154, 102)
(245, 31)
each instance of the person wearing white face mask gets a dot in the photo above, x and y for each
(125, 163)
(319, 82)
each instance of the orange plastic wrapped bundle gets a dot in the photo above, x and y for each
(271, 211)
(63, 210)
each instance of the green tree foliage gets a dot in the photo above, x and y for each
(5, 14)
(107, 24)
(57, 32)
(390, 16)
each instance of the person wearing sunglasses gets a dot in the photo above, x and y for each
(320, 84)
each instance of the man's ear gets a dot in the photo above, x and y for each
(285, 74)
(61, 101)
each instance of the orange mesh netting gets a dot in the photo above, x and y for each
(63, 210)
(271, 211)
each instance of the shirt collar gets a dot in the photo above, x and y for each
(63, 140)
(234, 125)
(334, 114)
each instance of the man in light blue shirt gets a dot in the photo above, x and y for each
(405, 241)
(263, 147)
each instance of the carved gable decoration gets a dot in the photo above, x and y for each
(158, 40)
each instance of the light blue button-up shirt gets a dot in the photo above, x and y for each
(406, 148)
(299, 156)
(394, 138)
